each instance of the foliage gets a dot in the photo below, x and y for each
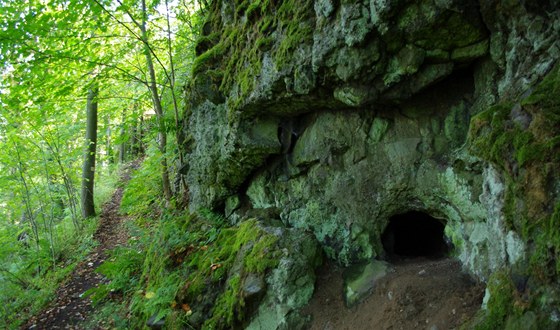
(29, 278)
(183, 268)
(144, 188)
(50, 53)
(500, 304)
(106, 183)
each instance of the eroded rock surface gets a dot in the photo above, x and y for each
(332, 116)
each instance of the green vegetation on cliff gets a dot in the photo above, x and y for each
(186, 269)
(523, 141)
(232, 52)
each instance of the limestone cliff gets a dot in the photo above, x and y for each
(333, 116)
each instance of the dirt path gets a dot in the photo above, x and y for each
(69, 309)
(419, 294)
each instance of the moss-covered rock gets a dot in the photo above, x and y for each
(338, 115)
(522, 140)
(264, 59)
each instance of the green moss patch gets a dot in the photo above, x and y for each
(188, 270)
(256, 27)
(505, 307)
(523, 141)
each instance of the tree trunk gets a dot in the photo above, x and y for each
(141, 136)
(88, 170)
(157, 107)
(122, 145)
(108, 146)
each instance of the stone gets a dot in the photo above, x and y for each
(253, 285)
(155, 323)
(359, 281)
(520, 117)
(405, 63)
(350, 61)
(380, 11)
(355, 23)
(391, 100)
(353, 96)
(304, 80)
(232, 204)
(471, 52)
(324, 7)
(515, 247)
(290, 285)
(378, 129)
(437, 55)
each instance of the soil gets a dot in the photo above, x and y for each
(417, 294)
(70, 308)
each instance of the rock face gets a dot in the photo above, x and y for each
(360, 280)
(333, 116)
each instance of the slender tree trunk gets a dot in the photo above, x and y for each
(108, 146)
(28, 212)
(183, 184)
(133, 151)
(157, 107)
(53, 204)
(88, 170)
(122, 145)
(141, 135)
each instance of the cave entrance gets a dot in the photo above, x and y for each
(414, 234)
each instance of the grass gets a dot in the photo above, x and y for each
(179, 267)
(31, 273)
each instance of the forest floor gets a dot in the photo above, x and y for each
(70, 308)
(417, 294)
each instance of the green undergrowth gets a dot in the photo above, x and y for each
(522, 140)
(31, 270)
(186, 270)
(107, 179)
(504, 303)
(144, 188)
(235, 49)
(180, 269)
(498, 136)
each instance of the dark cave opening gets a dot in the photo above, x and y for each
(415, 234)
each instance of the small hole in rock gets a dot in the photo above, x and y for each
(415, 234)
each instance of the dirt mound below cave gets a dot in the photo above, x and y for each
(418, 294)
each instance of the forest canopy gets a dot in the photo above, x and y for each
(115, 67)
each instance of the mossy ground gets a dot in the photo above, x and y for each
(182, 271)
(528, 155)
(186, 269)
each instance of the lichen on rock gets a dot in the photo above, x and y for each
(338, 115)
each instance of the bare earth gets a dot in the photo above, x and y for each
(419, 294)
(69, 309)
